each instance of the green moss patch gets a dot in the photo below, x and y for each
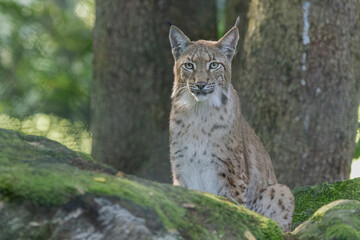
(337, 220)
(309, 199)
(48, 175)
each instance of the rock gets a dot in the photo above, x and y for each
(310, 198)
(337, 220)
(50, 192)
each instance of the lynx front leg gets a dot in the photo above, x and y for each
(178, 180)
(277, 203)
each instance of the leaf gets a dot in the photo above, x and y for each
(99, 179)
(249, 235)
(188, 205)
(357, 150)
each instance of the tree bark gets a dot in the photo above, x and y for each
(234, 9)
(298, 78)
(132, 79)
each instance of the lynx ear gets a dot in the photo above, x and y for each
(229, 41)
(178, 41)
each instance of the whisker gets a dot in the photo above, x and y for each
(181, 88)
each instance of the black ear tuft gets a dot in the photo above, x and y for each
(237, 22)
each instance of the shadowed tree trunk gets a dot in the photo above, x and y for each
(298, 82)
(133, 79)
(234, 9)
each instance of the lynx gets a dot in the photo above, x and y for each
(212, 148)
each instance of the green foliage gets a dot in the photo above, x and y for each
(74, 135)
(45, 57)
(220, 16)
(357, 147)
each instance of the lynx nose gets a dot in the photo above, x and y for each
(201, 85)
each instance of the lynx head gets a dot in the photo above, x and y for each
(202, 68)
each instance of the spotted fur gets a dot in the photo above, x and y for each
(212, 147)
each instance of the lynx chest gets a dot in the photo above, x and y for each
(197, 147)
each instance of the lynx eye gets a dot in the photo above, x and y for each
(189, 66)
(214, 65)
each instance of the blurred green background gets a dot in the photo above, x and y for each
(46, 69)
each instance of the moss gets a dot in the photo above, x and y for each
(337, 220)
(49, 175)
(14, 219)
(311, 198)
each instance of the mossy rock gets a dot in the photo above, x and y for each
(50, 192)
(337, 220)
(310, 198)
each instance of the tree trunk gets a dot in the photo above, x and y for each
(298, 82)
(234, 9)
(133, 79)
